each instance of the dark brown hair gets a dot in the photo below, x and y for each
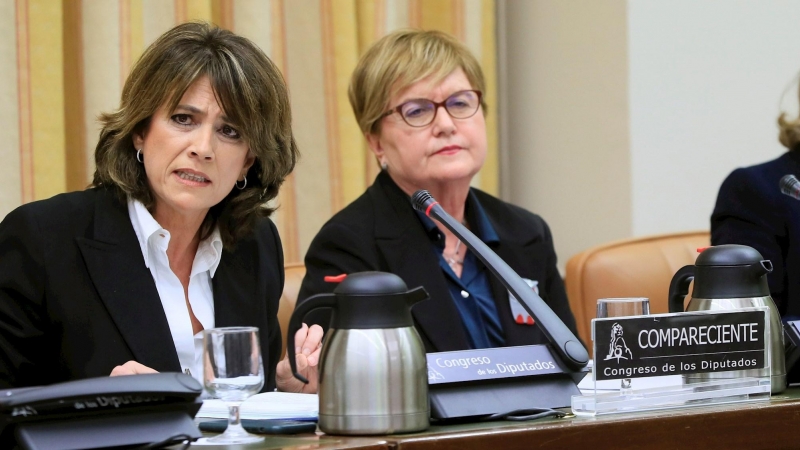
(248, 87)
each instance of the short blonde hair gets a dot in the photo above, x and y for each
(400, 59)
(789, 133)
(249, 88)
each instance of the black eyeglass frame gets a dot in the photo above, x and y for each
(399, 108)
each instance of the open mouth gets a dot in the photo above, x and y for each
(191, 177)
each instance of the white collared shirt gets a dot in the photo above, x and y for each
(154, 240)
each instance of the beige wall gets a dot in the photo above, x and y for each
(622, 118)
(563, 77)
(707, 79)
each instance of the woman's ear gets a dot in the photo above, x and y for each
(374, 142)
(138, 140)
(139, 133)
(249, 160)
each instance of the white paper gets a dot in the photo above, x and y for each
(268, 405)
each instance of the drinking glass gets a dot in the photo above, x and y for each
(621, 307)
(232, 372)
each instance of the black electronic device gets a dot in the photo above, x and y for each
(263, 426)
(498, 396)
(104, 412)
(791, 338)
(506, 383)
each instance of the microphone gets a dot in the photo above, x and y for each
(568, 347)
(790, 186)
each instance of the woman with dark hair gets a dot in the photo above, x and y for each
(173, 235)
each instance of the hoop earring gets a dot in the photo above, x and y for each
(243, 185)
(139, 155)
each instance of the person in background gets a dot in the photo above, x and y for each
(419, 98)
(751, 210)
(171, 238)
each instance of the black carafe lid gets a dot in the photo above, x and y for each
(371, 283)
(728, 255)
(369, 300)
(731, 271)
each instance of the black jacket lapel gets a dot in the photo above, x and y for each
(115, 263)
(406, 248)
(515, 334)
(234, 291)
(519, 254)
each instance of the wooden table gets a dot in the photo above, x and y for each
(767, 425)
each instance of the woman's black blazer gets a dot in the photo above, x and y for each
(76, 298)
(380, 231)
(751, 210)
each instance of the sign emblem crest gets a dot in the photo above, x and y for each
(617, 349)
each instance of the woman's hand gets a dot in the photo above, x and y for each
(131, 368)
(307, 345)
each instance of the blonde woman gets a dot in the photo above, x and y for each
(419, 97)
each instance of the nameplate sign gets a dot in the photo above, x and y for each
(683, 343)
(490, 363)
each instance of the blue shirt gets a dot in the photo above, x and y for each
(472, 293)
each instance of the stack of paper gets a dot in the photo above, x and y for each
(269, 405)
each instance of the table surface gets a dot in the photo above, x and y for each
(773, 424)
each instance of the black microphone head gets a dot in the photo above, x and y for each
(790, 185)
(421, 200)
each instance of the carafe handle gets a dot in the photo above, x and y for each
(296, 322)
(679, 287)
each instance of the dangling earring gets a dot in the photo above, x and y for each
(244, 185)
(139, 155)
(384, 165)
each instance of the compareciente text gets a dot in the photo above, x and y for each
(703, 335)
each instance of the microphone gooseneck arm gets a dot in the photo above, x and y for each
(568, 347)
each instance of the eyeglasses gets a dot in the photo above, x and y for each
(421, 111)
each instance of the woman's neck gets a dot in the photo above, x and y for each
(184, 231)
(451, 196)
(453, 201)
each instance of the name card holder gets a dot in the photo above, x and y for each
(688, 359)
(469, 384)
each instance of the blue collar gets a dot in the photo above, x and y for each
(476, 217)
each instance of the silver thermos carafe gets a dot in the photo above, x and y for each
(731, 277)
(373, 376)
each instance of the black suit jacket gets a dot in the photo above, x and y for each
(751, 210)
(380, 231)
(76, 298)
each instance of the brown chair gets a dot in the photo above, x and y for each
(291, 287)
(638, 267)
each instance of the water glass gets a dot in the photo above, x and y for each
(233, 371)
(622, 307)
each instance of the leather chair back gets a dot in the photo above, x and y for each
(293, 277)
(638, 267)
